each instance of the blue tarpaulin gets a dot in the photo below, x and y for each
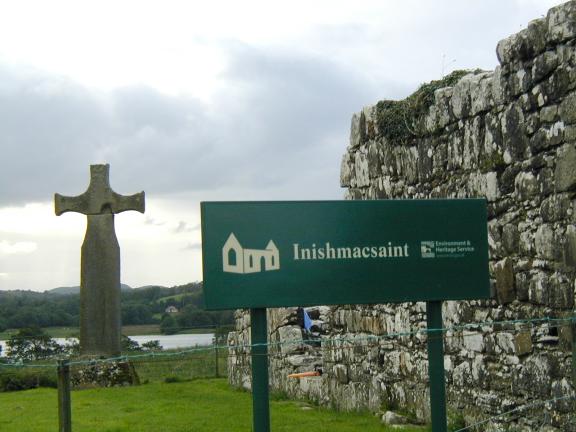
(307, 321)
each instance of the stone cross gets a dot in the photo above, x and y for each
(100, 318)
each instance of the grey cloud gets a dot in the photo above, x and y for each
(183, 227)
(49, 126)
(154, 222)
(281, 115)
(193, 246)
(280, 122)
(294, 105)
(139, 106)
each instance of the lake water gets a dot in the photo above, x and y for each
(166, 341)
(176, 341)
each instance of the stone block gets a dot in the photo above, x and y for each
(346, 168)
(479, 371)
(548, 114)
(279, 317)
(569, 256)
(543, 65)
(565, 336)
(545, 243)
(374, 325)
(533, 377)
(472, 143)
(484, 185)
(481, 97)
(473, 341)
(370, 122)
(341, 373)
(555, 208)
(546, 181)
(557, 84)
(561, 293)
(494, 239)
(353, 194)
(525, 186)
(522, 286)
(290, 339)
(539, 95)
(565, 172)
(521, 81)
(537, 162)
(391, 418)
(410, 164)
(361, 173)
(358, 130)
(303, 360)
(523, 343)
(523, 45)
(526, 243)
(460, 101)
(462, 375)
(563, 389)
(507, 178)
(515, 139)
(545, 138)
(374, 159)
(500, 86)
(570, 133)
(538, 288)
(510, 238)
(504, 274)
(505, 341)
(567, 109)
(561, 22)
(425, 160)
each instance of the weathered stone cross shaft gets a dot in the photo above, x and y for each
(100, 318)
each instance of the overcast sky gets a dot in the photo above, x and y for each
(193, 101)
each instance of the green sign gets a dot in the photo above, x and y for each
(275, 254)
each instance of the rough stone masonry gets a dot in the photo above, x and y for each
(509, 136)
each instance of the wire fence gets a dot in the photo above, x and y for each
(212, 361)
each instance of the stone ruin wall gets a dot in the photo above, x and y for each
(509, 136)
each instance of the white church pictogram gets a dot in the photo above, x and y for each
(236, 259)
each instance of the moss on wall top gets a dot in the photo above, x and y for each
(398, 120)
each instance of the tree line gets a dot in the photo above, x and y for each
(24, 309)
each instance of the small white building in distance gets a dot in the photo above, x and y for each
(236, 259)
(171, 309)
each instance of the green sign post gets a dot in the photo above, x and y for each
(276, 254)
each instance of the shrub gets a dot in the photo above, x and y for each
(31, 344)
(23, 379)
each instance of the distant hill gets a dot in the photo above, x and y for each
(76, 290)
(151, 286)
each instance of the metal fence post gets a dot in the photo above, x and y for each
(217, 371)
(260, 396)
(573, 332)
(436, 366)
(64, 402)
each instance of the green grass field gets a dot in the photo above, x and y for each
(175, 297)
(55, 332)
(131, 330)
(69, 332)
(199, 405)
